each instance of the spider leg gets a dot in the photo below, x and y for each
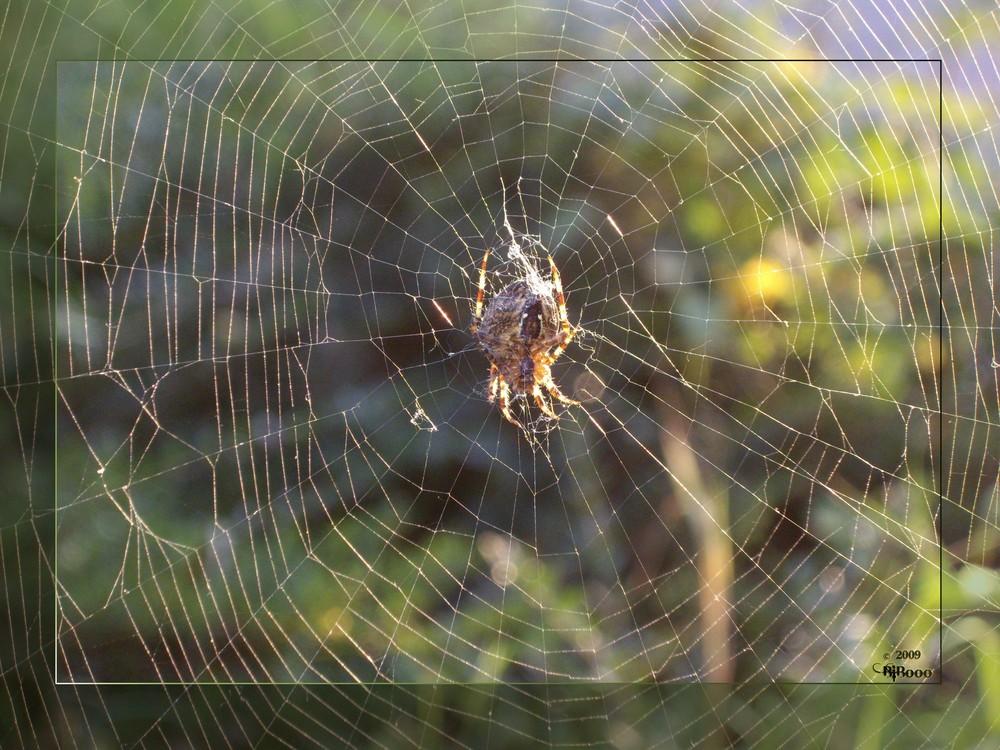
(550, 385)
(500, 391)
(555, 392)
(568, 332)
(479, 297)
(536, 391)
(505, 401)
(494, 383)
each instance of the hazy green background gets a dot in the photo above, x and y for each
(855, 337)
(262, 400)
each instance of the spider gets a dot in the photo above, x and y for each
(522, 332)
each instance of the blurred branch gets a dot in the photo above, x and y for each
(706, 507)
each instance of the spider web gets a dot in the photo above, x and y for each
(288, 471)
(277, 461)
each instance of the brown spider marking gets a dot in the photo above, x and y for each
(523, 331)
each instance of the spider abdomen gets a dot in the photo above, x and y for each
(522, 331)
(531, 320)
(516, 323)
(518, 315)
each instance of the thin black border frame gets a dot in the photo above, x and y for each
(938, 526)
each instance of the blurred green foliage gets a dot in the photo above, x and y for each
(251, 475)
(251, 517)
